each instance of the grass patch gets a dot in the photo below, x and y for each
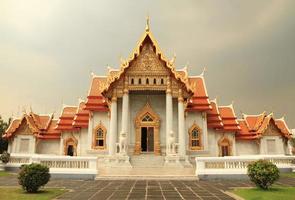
(290, 174)
(275, 193)
(4, 173)
(19, 194)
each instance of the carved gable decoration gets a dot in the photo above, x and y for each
(272, 130)
(24, 128)
(147, 63)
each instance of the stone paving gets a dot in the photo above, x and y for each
(145, 189)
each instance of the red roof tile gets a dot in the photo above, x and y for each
(200, 100)
(213, 116)
(95, 100)
(82, 116)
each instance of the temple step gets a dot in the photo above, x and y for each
(147, 160)
(146, 173)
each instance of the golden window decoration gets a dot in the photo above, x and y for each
(195, 137)
(99, 137)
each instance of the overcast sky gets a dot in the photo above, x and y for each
(49, 48)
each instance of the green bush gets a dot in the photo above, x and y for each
(32, 177)
(263, 173)
(5, 157)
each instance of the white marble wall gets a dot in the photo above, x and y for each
(48, 147)
(246, 147)
(277, 148)
(16, 145)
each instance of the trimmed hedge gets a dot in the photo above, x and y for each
(5, 157)
(263, 173)
(32, 177)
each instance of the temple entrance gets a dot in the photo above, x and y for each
(147, 125)
(147, 139)
(70, 150)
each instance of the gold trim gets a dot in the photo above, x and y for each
(190, 131)
(224, 141)
(155, 123)
(99, 126)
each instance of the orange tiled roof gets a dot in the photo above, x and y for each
(229, 118)
(213, 116)
(41, 125)
(200, 100)
(82, 116)
(254, 126)
(65, 122)
(95, 100)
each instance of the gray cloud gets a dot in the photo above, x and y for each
(48, 48)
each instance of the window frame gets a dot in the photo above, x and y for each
(95, 138)
(200, 146)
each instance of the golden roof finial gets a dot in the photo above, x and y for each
(147, 27)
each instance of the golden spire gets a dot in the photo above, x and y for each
(147, 27)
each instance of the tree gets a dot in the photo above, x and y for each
(3, 126)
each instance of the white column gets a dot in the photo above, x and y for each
(205, 130)
(113, 127)
(169, 114)
(181, 131)
(90, 131)
(61, 146)
(125, 112)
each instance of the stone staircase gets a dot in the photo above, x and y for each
(147, 161)
(146, 167)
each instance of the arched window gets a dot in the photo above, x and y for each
(139, 81)
(99, 137)
(195, 138)
(147, 81)
(155, 81)
(132, 81)
(225, 146)
(162, 81)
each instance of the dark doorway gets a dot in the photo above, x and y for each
(147, 139)
(70, 151)
(224, 151)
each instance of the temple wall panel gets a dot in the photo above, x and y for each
(247, 147)
(272, 145)
(48, 147)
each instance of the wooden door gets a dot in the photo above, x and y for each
(150, 139)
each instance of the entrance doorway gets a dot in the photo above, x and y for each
(147, 139)
(147, 124)
(70, 150)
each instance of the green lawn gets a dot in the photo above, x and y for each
(4, 173)
(275, 193)
(290, 174)
(19, 194)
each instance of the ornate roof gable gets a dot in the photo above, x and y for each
(146, 59)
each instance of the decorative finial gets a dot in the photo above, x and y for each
(203, 72)
(147, 27)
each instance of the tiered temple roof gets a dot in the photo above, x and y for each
(82, 116)
(229, 118)
(42, 126)
(200, 99)
(95, 100)
(66, 120)
(214, 119)
(254, 126)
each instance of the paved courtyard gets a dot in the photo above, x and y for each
(144, 189)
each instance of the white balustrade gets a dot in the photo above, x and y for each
(238, 164)
(57, 164)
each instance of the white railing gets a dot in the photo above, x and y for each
(57, 164)
(237, 164)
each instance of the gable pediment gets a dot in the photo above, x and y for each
(272, 130)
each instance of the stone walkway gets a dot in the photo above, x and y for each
(144, 189)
